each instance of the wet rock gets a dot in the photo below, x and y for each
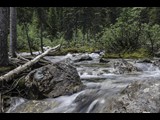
(6, 103)
(83, 58)
(156, 63)
(84, 100)
(144, 61)
(34, 106)
(123, 66)
(138, 97)
(100, 52)
(103, 60)
(52, 81)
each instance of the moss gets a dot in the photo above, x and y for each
(23, 50)
(140, 53)
(111, 55)
(87, 49)
(83, 49)
(97, 65)
(27, 50)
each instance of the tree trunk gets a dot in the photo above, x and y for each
(87, 36)
(3, 36)
(41, 32)
(83, 41)
(152, 44)
(14, 73)
(13, 31)
(28, 39)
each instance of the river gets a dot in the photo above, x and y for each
(101, 80)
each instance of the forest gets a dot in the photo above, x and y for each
(82, 55)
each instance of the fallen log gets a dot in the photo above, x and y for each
(12, 74)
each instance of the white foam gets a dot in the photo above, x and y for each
(15, 102)
(66, 104)
(94, 55)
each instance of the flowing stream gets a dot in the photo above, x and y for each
(101, 81)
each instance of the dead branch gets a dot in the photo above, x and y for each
(12, 74)
(22, 58)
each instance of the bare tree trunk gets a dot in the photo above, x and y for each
(41, 37)
(12, 74)
(152, 44)
(83, 42)
(13, 31)
(3, 36)
(87, 36)
(28, 39)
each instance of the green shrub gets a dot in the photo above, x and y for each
(140, 53)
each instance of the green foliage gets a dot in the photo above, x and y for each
(118, 30)
(21, 39)
(151, 36)
(140, 53)
(83, 49)
(124, 34)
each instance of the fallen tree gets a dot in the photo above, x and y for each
(12, 74)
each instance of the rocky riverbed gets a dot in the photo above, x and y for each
(112, 86)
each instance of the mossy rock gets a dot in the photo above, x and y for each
(34, 106)
(52, 81)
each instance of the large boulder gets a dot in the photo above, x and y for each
(53, 80)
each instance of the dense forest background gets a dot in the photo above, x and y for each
(120, 31)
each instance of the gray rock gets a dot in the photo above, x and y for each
(34, 106)
(123, 66)
(144, 61)
(83, 58)
(138, 97)
(103, 60)
(85, 99)
(53, 81)
(156, 63)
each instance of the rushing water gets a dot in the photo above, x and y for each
(101, 82)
